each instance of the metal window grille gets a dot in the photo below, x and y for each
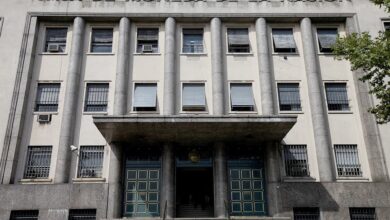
(82, 214)
(296, 161)
(24, 215)
(283, 40)
(362, 213)
(336, 96)
(347, 160)
(47, 97)
(147, 40)
(238, 40)
(101, 40)
(241, 97)
(38, 162)
(306, 214)
(192, 40)
(289, 97)
(326, 38)
(90, 161)
(56, 36)
(96, 97)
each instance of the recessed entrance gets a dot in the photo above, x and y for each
(194, 192)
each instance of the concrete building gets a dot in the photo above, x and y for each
(225, 109)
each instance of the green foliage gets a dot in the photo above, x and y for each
(385, 3)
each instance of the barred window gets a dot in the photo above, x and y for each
(101, 41)
(145, 97)
(347, 160)
(56, 40)
(96, 97)
(90, 162)
(38, 162)
(295, 160)
(193, 97)
(82, 214)
(327, 37)
(193, 40)
(289, 97)
(306, 214)
(283, 40)
(24, 215)
(337, 97)
(147, 40)
(238, 40)
(47, 97)
(362, 213)
(241, 97)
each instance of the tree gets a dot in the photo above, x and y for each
(372, 55)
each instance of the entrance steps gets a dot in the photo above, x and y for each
(191, 210)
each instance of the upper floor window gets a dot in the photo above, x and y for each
(289, 98)
(55, 40)
(337, 97)
(82, 214)
(241, 97)
(295, 160)
(96, 97)
(147, 40)
(24, 215)
(306, 213)
(38, 162)
(347, 160)
(101, 41)
(193, 40)
(238, 40)
(283, 39)
(1, 24)
(193, 97)
(47, 97)
(90, 162)
(145, 97)
(362, 213)
(327, 37)
(386, 24)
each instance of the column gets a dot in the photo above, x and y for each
(218, 82)
(114, 190)
(220, 181)
(167, 201)
(70, 102)
(122, 66)
(316, 97)
(170, 67)
(273, 178)
(266, 79)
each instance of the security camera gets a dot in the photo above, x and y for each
(73, 148)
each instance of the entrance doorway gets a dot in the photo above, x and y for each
(194, 192)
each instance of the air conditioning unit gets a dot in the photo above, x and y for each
(147, 48)
(44, 118)
(53, 47)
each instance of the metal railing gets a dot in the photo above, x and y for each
(347, 160)
(362, 213)
(90, 161)
(38, 162)
(24, 214)
(82, 214)
(306, 214)
(296, 161)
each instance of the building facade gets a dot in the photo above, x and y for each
(188, 109)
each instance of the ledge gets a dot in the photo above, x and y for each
(37, 181)
(88, 180)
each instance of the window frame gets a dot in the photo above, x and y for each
(36, 97)
(203, 40)
(156, 111)
(384, 22)
(1, 24)
(85, 97)
(351, 209)
(251, 83)
(44, 38)
(78, 176)
(27, 161)
(283, 27)
(250, 51)
(317, 211)
(308, 174)
(205, 111)
(337, 27)
(31, 214)
(147, 26)
(75, 213)
(358, 158)
(346, 82)
(97, 27)
(300, 97)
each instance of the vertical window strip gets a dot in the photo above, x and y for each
(296, 160)
(336, 96)
(82, 214)
(306, 214)
(289, 97)
(24, 215)
(90, 161)
(38, 162)
(347, 160)
(96, 97)
(362, 213)
(47, 97)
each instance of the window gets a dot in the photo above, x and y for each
(326, 39)
(1, 24)
(306, 214)
(192, 40)
(47, 97)
(238, 40)
(193, 97)
(241, 97)
(336, 96)
(362, 213)
(283, 40)
(295, 160)
(24, 215)
(347, 160)
(145, 97)
(386, 24)
(82, 214)
(101, 41)
(38, 162)
(55, 40)
(96, 97)
(147, 40)
(90, 162)
(289, 98)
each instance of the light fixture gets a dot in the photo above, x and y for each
(72, 148)
(194, 156)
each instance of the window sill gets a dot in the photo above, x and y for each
(194, 112)
(144, 112)
(327, 54)
(193, 54)
(352, 179)
(289, 179)
(146, 54)
(32, 181)
(52, 54)
(239, 54)
(340, 112)
(285, 54)
(100, 54)
(291, 112)
(95, 113)
(243, 112)
(88, 180)
(45, 113)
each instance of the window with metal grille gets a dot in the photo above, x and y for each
(101, 41)
(362, 213)
(193, 40)
(96, 97)
(47, 97)
(327, 37)
(306, 214)
(38, 162)
(145, 97)
(241, 97)
(193, 97)
(82, 214)
(90, 162)
(295, 160)
(283, 40)
(289, 97)
(347, 160)
(337, 97)
(147, 40)
(24, 215)
(238, 40)
(386, 24)
(55, 40)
